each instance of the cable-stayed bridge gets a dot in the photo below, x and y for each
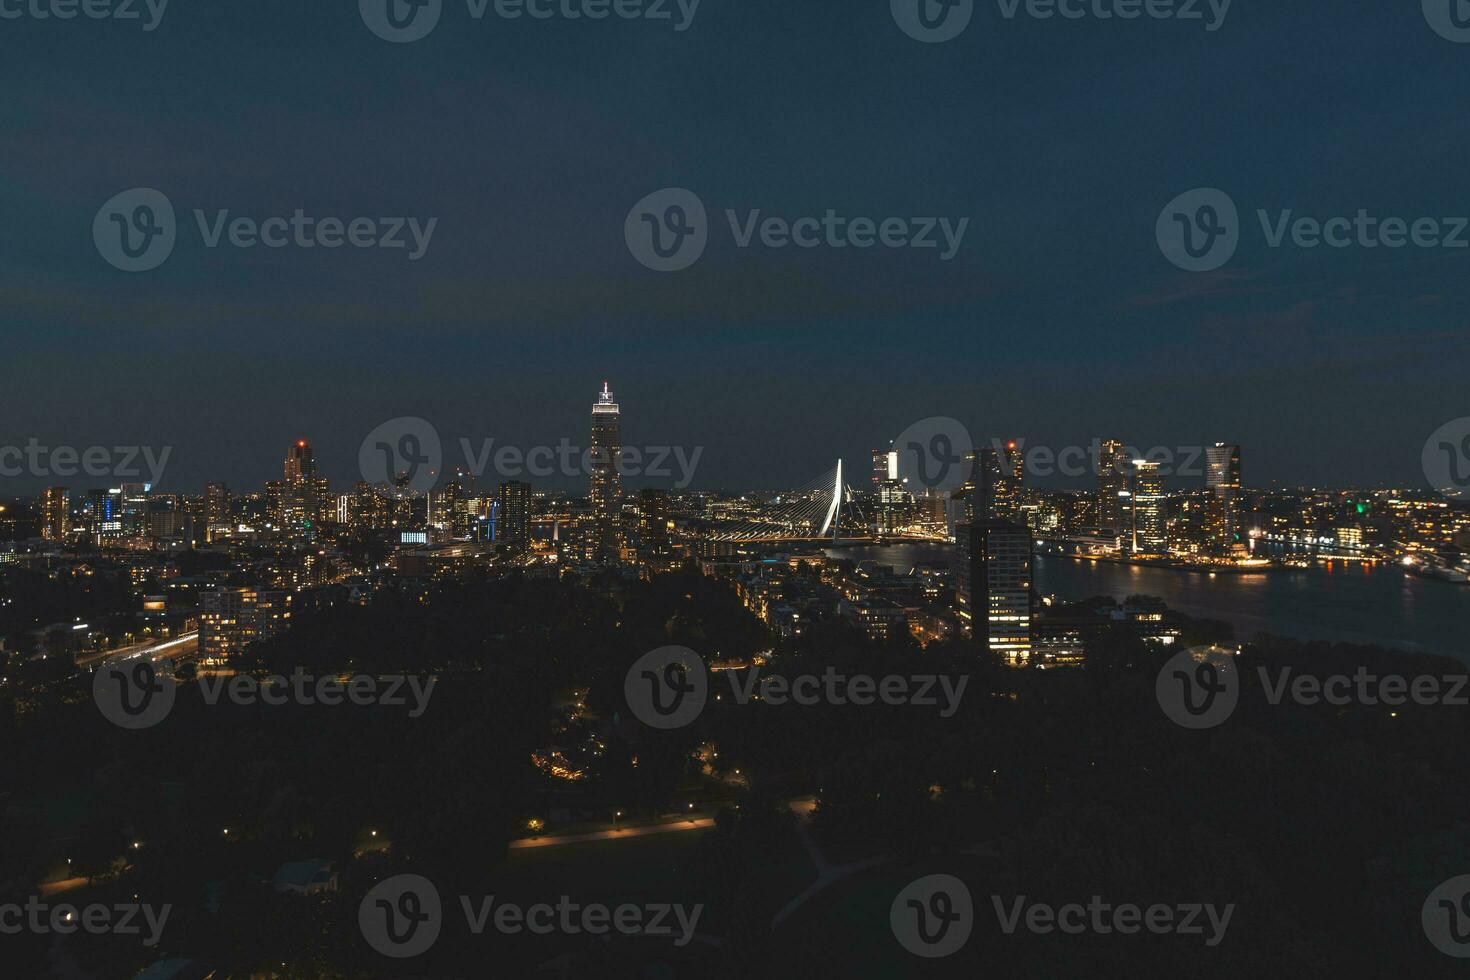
(822, 509)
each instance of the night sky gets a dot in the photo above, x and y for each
(1059, 319)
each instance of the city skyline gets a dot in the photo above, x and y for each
(463, 454)
(1333, 364)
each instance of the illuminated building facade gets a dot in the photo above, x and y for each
(1222, 479)
(55, 513)
(230, 619)
(993, 587)
(217, 513)
(655, 526)
(1113, 468)
(513, 516)
(1147, 505)
(302, 500)
(606, 483)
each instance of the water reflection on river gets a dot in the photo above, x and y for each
(1344, 601)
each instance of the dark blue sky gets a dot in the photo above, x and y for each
(530, 141)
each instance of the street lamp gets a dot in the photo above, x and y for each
(616, 815)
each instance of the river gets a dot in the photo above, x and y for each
(1344, 602)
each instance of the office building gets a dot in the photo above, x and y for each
(1222, 509)
(1113, 468)
(1149, 525)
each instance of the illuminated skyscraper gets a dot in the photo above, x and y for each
(994, 487)
(1222, 478)
(993, 587)
(1009, 469)
(513, 515)
(1113, 467)
(216, 511)
(607, 485)
(133, 507)
(1146, 496)
(654, 525)
(304, 499)
(300, 463)
(55, 514)
(885, 466)
(103, 513)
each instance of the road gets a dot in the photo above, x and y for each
(699, 823)
(183, 647)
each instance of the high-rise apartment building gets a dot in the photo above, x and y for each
(606, 484)
(229, 619)
(993, 587)
(513, 515)
(654, 524)
(217, 511)
(55, 513)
